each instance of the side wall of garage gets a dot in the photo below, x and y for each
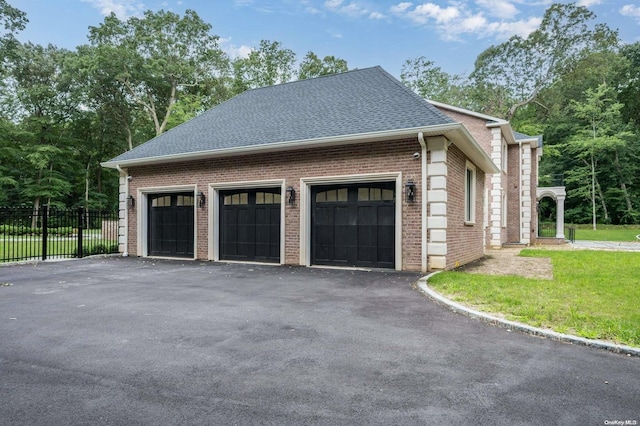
(464, 240)
(291, 166)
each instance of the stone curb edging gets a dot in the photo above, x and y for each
(512, 325)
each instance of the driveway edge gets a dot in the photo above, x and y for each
(512, 325)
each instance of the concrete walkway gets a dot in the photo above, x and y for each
(606, 245)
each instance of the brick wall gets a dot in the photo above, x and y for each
(476, 126)
(464, 242)
(513, 195)
(393, 156)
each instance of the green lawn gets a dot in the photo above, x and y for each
(593, 294)
(606, 232)
(11, 248)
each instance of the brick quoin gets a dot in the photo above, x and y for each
(510, 181)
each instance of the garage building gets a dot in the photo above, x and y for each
(349, 170)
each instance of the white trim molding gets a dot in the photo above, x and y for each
(437, 201)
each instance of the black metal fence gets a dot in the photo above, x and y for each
(32, 234)
(546, 230)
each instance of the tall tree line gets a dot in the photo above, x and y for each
(573, 81)
(62, 112)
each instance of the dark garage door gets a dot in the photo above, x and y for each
(250, 225)
(171, 224)
(353, 225)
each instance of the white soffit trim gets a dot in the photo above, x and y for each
(507, 131)
(287, 146)
(470, 147)
(498, 121)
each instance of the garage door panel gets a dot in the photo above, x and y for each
(386, 216)
(367, 215)
(354, 226)
(341, 216)
(250, 225)
(171, 225)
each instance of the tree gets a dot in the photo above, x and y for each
(526, 66)
(431, 82)
(9, 159)
(600, 133)
(312, 66)
(159, 57)
(629, 82)
(12, 20)
(42, 91)
(268, 65)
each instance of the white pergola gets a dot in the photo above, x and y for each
(559, 194)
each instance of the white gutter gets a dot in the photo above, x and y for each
(441, 129)
(125, 252)
(497, 120)
(424, 255)
(520, 189)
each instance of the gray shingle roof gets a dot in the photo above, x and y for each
(355, 102)
(521, 136)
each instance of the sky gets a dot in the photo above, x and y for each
(366, 33)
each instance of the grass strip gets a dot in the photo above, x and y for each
(594, 294)
(618, 233)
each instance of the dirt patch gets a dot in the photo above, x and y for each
(507, 262)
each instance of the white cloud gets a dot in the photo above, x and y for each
(472, 24)
(232, 50)
(123, 9)
(588, 3)
(465, 18)
(400, 7)
(376, 15)
(499, 8)
(631, 10)
(522, 28)
(430, 11)
(353, 9)
(332, 4)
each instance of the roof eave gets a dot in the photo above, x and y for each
(285, 146)
(495, 120)
(504, 125)
(472, 149)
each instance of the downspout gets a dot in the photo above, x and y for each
(424, 252)
(520, 189)
(125, 252)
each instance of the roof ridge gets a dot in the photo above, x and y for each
(364, 101)
(308, 79)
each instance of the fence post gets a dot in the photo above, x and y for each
(44, 211)
(80, 228)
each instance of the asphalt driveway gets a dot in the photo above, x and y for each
(126, 341)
